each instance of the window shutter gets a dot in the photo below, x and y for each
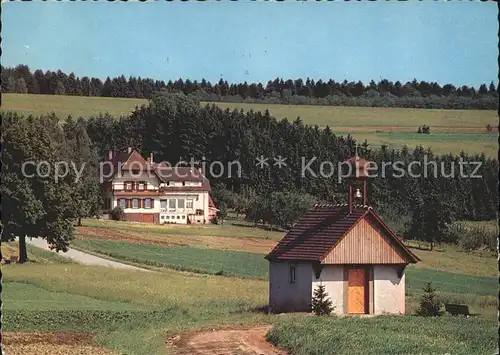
(118, 202)
(128, 203)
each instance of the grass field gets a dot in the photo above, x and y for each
(36, 255)
(134, 312)
(233, 237)
(233, 263)
(451, 130)
(231, 228)
(394, 335)
(63, 105)
(185, 258)
(131, 312)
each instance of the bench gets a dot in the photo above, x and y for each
(456, 309)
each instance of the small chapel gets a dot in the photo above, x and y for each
(345, 247)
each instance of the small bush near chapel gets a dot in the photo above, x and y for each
(321, 303)
(430, 305)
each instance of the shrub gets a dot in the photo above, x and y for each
(469, 241)
(430, 305)
(454, 231)
(470, 237)
(489, 128)
(321, 303)
(222, 213)
(117, 213)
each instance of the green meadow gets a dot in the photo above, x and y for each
(194, 288)
(451, 130)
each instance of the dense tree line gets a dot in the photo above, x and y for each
(385, 93)
(175, 127)
(37, 200)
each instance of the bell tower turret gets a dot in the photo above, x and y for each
(357, 179)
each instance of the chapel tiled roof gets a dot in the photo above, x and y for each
(319, 229)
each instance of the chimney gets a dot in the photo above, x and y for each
(129, 150)
(110, 155)
(151, 158)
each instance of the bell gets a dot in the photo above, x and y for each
(358, 193)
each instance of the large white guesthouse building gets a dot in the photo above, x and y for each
(155, 193)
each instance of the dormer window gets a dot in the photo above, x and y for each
(140, 186)
(128, 186)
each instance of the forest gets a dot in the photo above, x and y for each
(385, 93)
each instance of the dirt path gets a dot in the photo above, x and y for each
(83, 258)
(245, 341)
(50, 344)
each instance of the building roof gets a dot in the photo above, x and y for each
(124, 161)
(132, 160)
(320, 229)
(359, 167)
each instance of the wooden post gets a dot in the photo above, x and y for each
(349, 202)
(364, 193)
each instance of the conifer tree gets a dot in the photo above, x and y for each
(430, 305)
(321, 303)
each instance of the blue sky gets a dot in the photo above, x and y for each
(447, 42)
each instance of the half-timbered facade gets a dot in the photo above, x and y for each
(350, 250)
(155, 193)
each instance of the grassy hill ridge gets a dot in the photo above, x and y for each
(451, 130)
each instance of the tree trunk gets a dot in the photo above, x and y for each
(79, 221)
(23, 252)
(432, 245)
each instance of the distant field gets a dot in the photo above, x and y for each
(232, 229)
(388, 119)
(232, 236)
(451, 130)
(63, 106)
(183, 258)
